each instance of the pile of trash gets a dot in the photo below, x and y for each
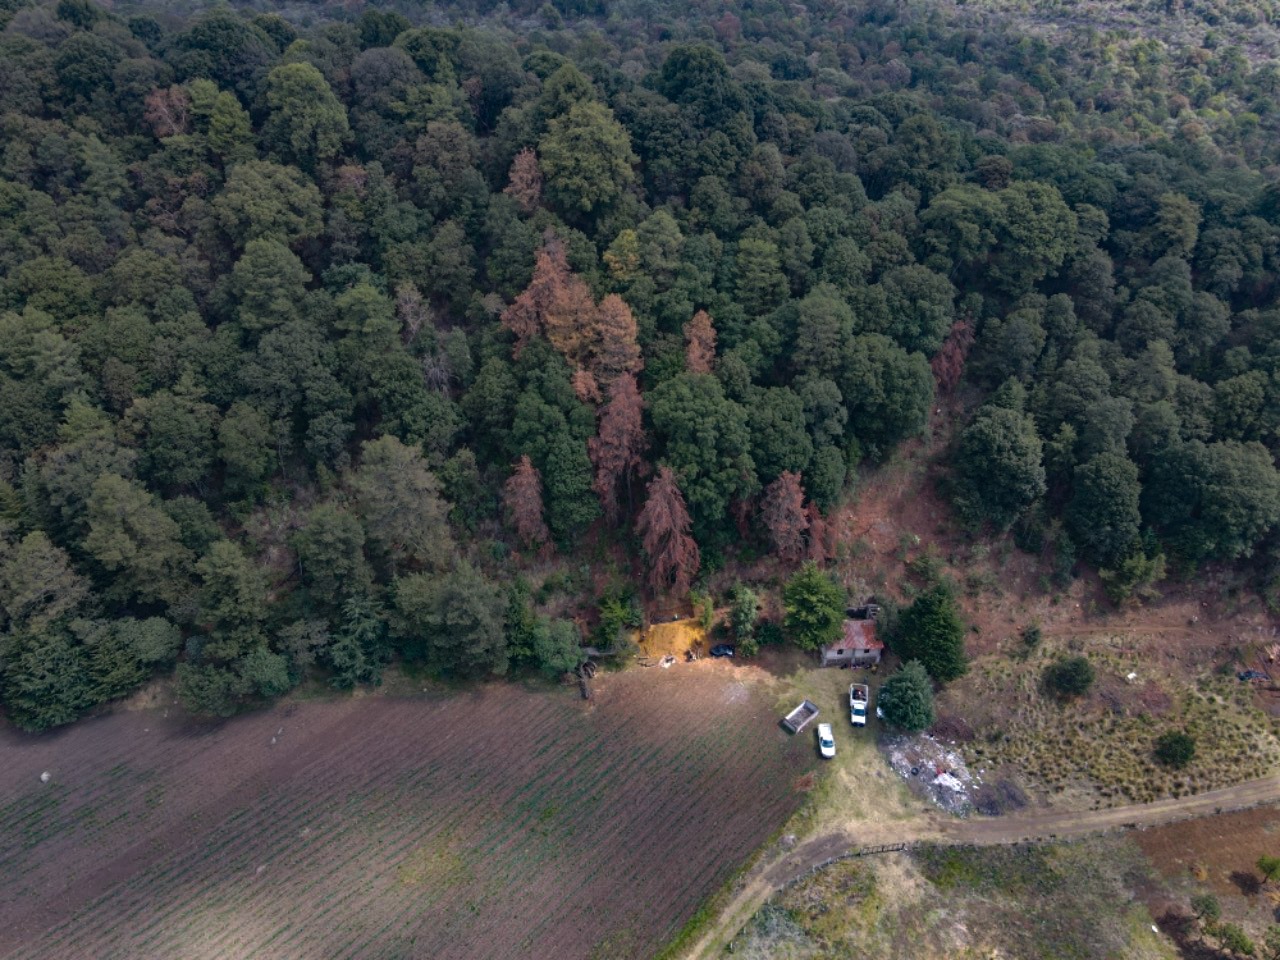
(934, 770)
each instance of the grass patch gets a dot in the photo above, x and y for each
(1101, 747)
(1059, 902)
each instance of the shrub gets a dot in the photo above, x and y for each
(1069, 677)
(1175, 749)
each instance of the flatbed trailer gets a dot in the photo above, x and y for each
(795, 720)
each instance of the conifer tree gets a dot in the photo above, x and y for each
(664, 527)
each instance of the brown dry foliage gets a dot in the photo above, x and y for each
(585, 386)
(617, 352)
(822, 536)
(168, 111)
(411, 310)
(783, 513)
(557, 303)
(948, 363)
(525, 181)
(522, 498)
(617, 451)
(664, 527)
(700, 340)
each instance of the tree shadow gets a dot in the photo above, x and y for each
(1182, 930)
(1247, 883)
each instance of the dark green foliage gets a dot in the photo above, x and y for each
(557, 646)
(706, 441)
(1213, 500)
(906, 698)
(1103, 514)
(1069, 676)
(744, 613)
(1175, 749)
(814, 607)
(931, 632)
(252, 270)
(999, 468)
(453, 622)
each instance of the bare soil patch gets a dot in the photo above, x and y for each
(493, 822)
(1216, 854)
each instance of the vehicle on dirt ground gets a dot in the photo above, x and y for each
(859, 701)
(722, 650)
(826, 741)
(797, 719)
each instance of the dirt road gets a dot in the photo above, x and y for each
(780, 867)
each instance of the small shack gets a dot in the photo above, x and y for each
(858, 646)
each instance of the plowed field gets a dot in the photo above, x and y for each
(497, 823)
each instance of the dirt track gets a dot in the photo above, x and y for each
(781, 868)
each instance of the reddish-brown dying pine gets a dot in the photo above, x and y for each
(556, 303)
(585, 386)
(522, 497)
(700, 343)
(948, 363)
(820, 534)
(617, 352)
(525, 181)
(168, 111)
(782, 509)
(664, 527)
(617, 451)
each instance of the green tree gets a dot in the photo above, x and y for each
(931, 631)
(814, 608)
(132, 537)
(246, 446)
(744, 613)
(234, 590)
(1269, 867)
(586, 158)
(706, 441)
(558, 647)
(1234, 940)
(761, 284)
(359, 647)
(998, 467)
(1103, 515)
(307, 123)
(1175, 749)
(1206, 908)
(45, 677)
(779, 440)
(399, 501)
(454, 622)
(921, 307)
(177, 429)
(263, 200)
(269, 285)
(887, 391)
(1271, 942)
(1213, 500)
(331, 554)
(906, 698)
(1069, 676)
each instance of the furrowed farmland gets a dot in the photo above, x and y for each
(495, 822)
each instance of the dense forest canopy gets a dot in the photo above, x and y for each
(317, 330)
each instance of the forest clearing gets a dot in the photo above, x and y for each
(491, 822)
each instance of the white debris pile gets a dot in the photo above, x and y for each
(934, 770)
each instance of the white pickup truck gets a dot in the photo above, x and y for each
(859, 701)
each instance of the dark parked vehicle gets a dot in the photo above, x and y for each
(722, 650)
